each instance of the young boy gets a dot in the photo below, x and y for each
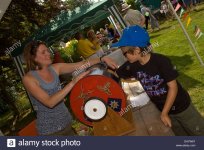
(158, 78)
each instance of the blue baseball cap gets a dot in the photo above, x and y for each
(133, 36)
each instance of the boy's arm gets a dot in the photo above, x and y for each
(62, 68)
(171, 96)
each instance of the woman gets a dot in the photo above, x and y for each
(42, 83)
(93, 39)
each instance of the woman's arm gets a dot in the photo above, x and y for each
(62, 68)
(171, 96)
(32, 86)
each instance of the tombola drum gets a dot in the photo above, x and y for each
(97, 88)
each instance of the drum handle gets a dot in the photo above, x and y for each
(104, 65)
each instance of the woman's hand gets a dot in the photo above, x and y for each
(80, 76)
(110, 62)
(166, 120)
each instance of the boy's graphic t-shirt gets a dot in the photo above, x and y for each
(151, 84)
(154, 76)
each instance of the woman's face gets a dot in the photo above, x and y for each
(43, 55)
(131, 57)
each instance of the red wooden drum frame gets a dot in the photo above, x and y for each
(102, 87)
(95, 109)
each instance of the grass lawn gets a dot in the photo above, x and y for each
(172, 42)
(26, 116)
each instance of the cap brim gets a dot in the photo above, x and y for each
(118, 44)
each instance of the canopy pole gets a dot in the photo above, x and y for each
(186, 34)
(114, 11)
(18, 66)
(110, 18)
(3, 7)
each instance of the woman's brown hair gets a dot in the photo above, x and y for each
(29, 55)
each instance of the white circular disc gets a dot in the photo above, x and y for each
(95, 109)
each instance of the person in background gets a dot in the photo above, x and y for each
(42, 83)
(158, 77)
(98, 34)
(92, 37)
(132, 17)
(103, 32)
(165, 9)
(189, 4)
(110, 31)
(145, 12)
(153, 21)
(85, 48)
(195, 3)
(104, 40)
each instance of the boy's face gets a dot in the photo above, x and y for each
(131, 53)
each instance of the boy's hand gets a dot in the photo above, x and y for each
(166, 120)
(110, 62)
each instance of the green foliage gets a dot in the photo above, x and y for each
(132, 3)
(69, 52)
(82, 129)
(3, 106)
(24, 17)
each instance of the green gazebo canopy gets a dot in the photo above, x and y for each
(153, 4)
(68, 23)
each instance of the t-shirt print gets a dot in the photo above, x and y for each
(152, 84)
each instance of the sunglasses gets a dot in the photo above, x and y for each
(129, 50)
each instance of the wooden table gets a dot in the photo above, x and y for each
(147, 121)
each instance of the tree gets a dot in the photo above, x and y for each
(24, 17)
